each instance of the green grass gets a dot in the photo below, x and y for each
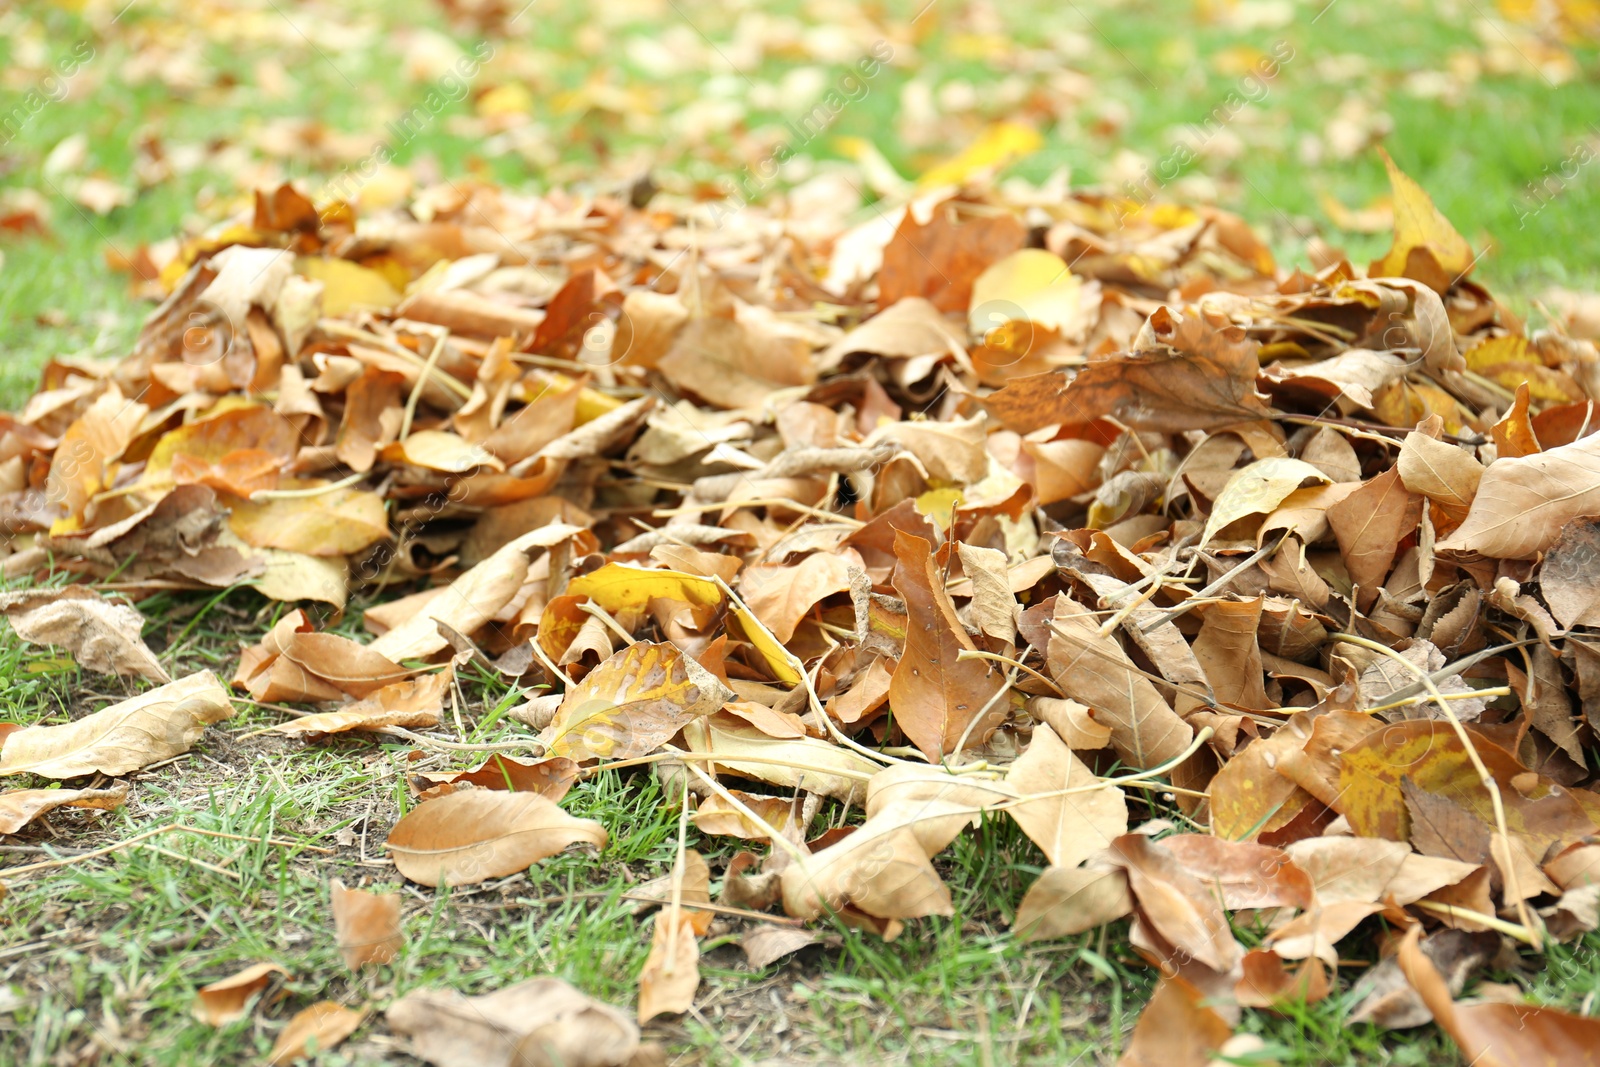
(111, 951)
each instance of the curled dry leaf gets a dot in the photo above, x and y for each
(1497, 1034)
(543, 1022)
(102, 636)
(551, 777)
(633, 703)
(415, 702)
(367, 925)
(19, 807)
(315, 1029)
(472, 836)
(883, 868)
(472, 599)
(141, 730)
(227, 999)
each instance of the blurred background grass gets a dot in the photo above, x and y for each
(182, 105)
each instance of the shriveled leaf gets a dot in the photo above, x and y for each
(101, 635)
(19, 807)
(472, 836)
(124, 737)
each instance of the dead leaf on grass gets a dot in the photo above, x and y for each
(472, 836)
(139, 731)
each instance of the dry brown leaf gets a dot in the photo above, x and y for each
(1092, 668)
(1498, 1034)
(1178, 1028)
(1523, 502)
(102, 636)
(551, 777)
(472, 836)
(768, 942)
(781, 595)
(883, 868)
(367, 925)
(672, 970)
(315, 1029)
(1070, 828)
(543, 1022)
(940, 259)
(472, 599)
(415, 702)
(124, 737)
(1069, 900)
(936, 696)
(19, 807)
(1176, 903)
(1184, 375)
(226, 1000)
(1370, 524)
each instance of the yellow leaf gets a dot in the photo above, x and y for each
(511, 98)
(1029, 284)
(632, 703)
(998, 146)
(1258, 489)
(1426, 247)
(347, 286)
(331, 524)
(624, 588)
(1509, 361)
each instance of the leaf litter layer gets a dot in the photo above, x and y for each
(1260, 598)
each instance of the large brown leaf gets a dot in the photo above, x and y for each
(934, 695)
(139, 731)
(1497, 1034)
(542, 1022)
(1067, 828)
(472, 836)
(1187, 375)
(1523, 502)
(940, 259)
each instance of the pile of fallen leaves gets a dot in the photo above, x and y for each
(1067, 510)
